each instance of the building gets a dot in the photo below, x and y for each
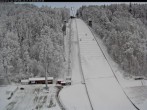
(59, 81)
(25, 82)
(40, 80)
(68, 80)
(63, 83)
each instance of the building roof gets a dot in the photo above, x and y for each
(41, 78)
(25, 81)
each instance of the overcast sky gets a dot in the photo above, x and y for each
(76, 5)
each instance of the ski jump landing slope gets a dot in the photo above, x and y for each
(104, 91)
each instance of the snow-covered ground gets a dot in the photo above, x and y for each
(104, 90)
(74, 98)
(135, 89)
(33, 97)
(5, 92)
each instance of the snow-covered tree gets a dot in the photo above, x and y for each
(123, 28)
(25, 30)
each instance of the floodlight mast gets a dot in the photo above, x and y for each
(45, 69)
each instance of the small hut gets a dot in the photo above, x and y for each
(90, 22)
(59, 81)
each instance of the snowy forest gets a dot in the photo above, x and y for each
(123, 29)
(30, 38)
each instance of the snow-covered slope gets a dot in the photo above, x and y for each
(104, 90)
(136, 90)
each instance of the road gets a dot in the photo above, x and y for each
(103, 89)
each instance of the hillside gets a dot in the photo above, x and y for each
(123, 29)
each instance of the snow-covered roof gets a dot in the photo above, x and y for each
(26, 80)
(41, 78)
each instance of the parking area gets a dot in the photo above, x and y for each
(30, 97)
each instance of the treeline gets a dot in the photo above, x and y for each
(123, 29)
(30, 38)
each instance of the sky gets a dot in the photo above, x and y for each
(76, 5)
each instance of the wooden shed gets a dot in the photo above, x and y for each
(90, 23)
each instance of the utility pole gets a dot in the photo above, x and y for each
(64, 34)
(145, 56)
(45, 69)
